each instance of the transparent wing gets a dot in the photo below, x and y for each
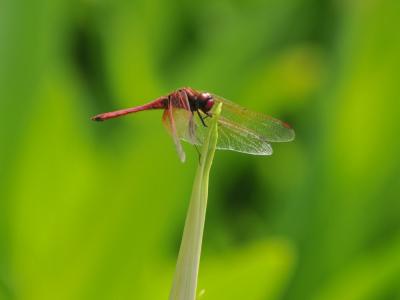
(171, 126)
(236, 138)
(238, 129)
(263, 126)
(176, 118)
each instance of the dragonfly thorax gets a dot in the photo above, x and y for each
(201, 101)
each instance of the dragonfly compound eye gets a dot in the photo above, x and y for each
(209, 104)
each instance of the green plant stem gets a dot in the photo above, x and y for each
(186, 274)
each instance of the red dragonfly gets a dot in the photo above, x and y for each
(239, 129)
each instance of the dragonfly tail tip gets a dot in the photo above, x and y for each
(96, 118)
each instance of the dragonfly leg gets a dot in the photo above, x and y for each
(198, 152)
(201, 118)
(208, 115)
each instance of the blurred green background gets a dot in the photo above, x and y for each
(96, 210)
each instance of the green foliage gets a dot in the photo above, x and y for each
(187, 267)
(95, 210)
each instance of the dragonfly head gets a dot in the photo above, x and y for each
(207, 101)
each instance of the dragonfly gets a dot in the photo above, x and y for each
(185, 115)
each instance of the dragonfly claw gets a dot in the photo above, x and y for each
(202, 119)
